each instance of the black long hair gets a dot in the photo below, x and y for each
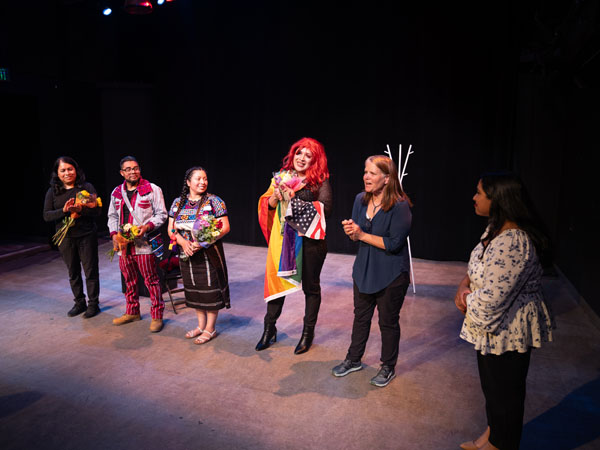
(510, 201)
(57, 185)
(185, 190)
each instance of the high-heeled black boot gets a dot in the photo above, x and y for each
(308, 333)
(269, 337)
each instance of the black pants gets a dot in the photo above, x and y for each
(503, 381)
(313, 257)
(388, 302)
(77, 252)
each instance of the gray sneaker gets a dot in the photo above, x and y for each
(343, 369)
(384, 376)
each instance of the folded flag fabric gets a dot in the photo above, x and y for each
(284, 228)
(276, 286)
(307, 218)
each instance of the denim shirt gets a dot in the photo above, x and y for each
(374, 268)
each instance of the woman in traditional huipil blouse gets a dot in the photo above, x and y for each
(381, 221)
(203, 266)
(292, 215)
(501, 297)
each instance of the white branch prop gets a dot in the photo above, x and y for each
(401, 174)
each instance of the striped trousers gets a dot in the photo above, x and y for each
(146, 264)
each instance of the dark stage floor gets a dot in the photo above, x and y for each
(70, 383)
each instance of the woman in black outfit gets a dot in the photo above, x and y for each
(303, 184)
(80, 245)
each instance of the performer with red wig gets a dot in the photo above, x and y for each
(292, 217)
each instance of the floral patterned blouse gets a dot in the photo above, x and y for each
(506, 309)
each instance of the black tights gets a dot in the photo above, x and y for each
(313, 257)
(503, 380)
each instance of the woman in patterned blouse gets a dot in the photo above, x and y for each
(203, 266)
(501, 297)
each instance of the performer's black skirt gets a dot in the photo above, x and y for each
(205, 279)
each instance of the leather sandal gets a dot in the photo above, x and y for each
(203, 340)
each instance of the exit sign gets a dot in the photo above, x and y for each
(4, 74)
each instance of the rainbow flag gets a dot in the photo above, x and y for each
(283, 272)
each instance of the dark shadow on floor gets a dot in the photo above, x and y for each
(10, 404)
(315, 376)
(574, 422)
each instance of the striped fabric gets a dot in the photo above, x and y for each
(270, 224)
(307, 218)
(283, 271)
(147, 267)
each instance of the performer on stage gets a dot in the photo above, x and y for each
(137, 202)
(78, 244)
(502, 298)
(292, 217)
(381, 221)
(197, 222)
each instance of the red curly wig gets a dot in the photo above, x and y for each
(317, 171)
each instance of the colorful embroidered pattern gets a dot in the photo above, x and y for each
(184, 221)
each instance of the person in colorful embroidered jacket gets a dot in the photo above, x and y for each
(292, 217)
(502, 299)
(141, 203)
(80, 245)
(202, 262)
(381, 221)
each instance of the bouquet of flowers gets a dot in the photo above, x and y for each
(206, 229)
(126, 235)
(290, 179)
(83, 199)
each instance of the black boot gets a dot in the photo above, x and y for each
(308, 333)
(77, 309)
(269, 337)
(92, 310)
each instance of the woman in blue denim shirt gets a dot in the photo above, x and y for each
(381, 221)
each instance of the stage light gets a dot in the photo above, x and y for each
(160, 2)
(137, 7)
(170, 1)
(107, 11)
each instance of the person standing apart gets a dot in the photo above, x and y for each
(137, 202)
(292, 216)
(502, 299)
(79, 247)
(202, 262)
(381, 221)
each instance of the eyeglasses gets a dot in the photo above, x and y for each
(131, 169)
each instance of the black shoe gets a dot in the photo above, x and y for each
(269, 337)
(77, 309)
(346, 367)
(91, 311)
(384, 376)
(308, 334)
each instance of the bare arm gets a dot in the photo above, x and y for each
(226, 227)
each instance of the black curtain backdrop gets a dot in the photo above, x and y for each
(230, 85)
